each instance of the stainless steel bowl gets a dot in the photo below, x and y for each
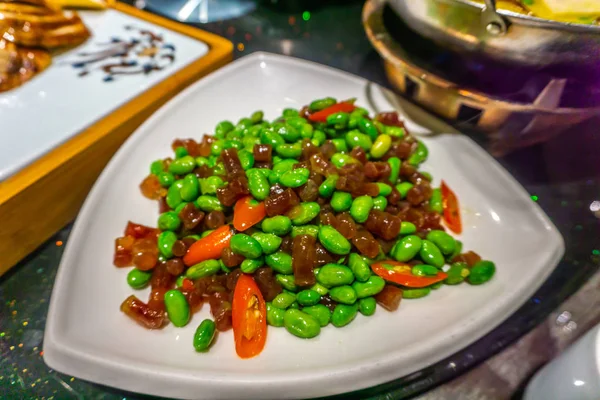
(465, 25)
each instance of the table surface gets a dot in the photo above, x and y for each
(563, 173)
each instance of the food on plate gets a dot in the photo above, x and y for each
(577, 11)
(298, 223)
(29, 30)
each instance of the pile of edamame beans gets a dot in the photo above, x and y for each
(323, 211)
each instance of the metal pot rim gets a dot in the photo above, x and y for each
(521, 19)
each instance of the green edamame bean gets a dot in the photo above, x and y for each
(209, 203)
(249, 265)
(343, 294)
(367, 306)
(340, 145)
(245, 245)
(287, 132)
(287, 281)
(224, 267)
(219, 169)
(217, 147)
(173, 197)
(322, 290)
(381, 146)
(431, 254)
(328, 186)
(457, 250)
(283, 300)
(179, 281)
(332, 275)
(435, 201)
(457, 273)
(443, 241)
(311, 230)
(368, 128)
(427, 175)
(338, 120)
(420, 154)
(280, 262)
(183, 165)
(268, 241)
(203, 269)
(339, 160)
(290, 112)
(234, 136)
(301, 324)
(178, 309)
(371, 287)
(384, 189)
(424, 270)
(181, 152)
(321, 104)
(157, 167)
(295, 306)
(406, 228)
(279, 225)
(361, 207)
(403, 188)
(481, 272)
(355, 138)
(289, 150)
(223, 128)
(258, 184)
(394, 163)
(191, 188)
(318, 137)
(395, 131)
(138, 279)
(341, 201)
(295, 178)
(297, 122)
(165, 243)
(333, 241)
(320, 312)
(436, 285)
(206, 233)
(246, 159)
(415, 293)
(205, 334)
(343, 314)
(257, 117)
(359, 266)
(380, 203)
(308, 297)
(165, 179)
(307, 131)
(304, 212)
(209, 186)
(274, 315)
(271, 138)
(406, 248)
(169, 221)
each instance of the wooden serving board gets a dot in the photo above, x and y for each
(40, 196)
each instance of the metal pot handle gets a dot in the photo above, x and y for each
(492, 21)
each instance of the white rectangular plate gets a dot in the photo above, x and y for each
(88, 337)
(57, 104)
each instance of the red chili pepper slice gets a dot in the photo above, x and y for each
(247, 214)
(451, 209)
(209, 247)
(321, 116)
(249, 319)
(401, 274)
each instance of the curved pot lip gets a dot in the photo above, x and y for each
(385, 47)
(522, 19)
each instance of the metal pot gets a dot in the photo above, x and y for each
(464, 25)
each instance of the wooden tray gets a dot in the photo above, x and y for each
(45, 195)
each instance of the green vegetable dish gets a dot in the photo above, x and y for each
(305, 221)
